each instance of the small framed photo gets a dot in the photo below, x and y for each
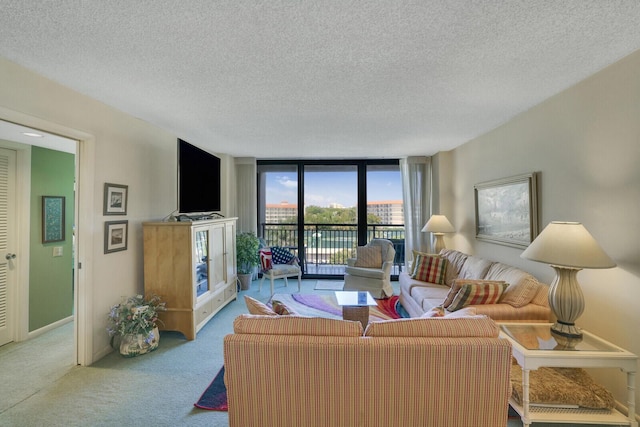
(52, 219)
(116, 234)
(115, 199)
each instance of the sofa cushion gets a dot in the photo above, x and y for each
(475, 268)
(256, 307)
(458, 284)
(522, 285)
(430, 268)
(443, 327)
(369, 257)
(296, 325)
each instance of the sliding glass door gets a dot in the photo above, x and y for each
(323, 210)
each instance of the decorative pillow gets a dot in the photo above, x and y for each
(281, 309)
(282, 255)
(369, 257)
(521, 293)
(416, 254)
(457, 285)
(256, 307)
(430, 268)
(474, 294)
(266, 259)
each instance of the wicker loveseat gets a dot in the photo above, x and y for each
(300, 371)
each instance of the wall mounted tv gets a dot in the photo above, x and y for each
(198, 180)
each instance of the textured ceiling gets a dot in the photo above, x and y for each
(323, 78)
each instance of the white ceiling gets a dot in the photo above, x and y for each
(323, 78)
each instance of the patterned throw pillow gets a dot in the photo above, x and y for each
(282, 255)
(266, 259)
(430, 268)
(475, 294)
(281, 309)
(416, 254)
(369, 257)
(256, 307)
(457, 285)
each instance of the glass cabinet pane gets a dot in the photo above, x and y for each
(202, 261)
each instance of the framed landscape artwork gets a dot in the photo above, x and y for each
(115, 199)
(115, 236)
(507, 210)
(52, 219)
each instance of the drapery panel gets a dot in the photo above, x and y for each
(247, 190)
(416, 194)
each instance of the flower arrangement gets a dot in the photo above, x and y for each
(135, 316)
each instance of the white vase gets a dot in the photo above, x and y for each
(132, 345)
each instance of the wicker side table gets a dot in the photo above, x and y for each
(354, 312)
(355, 305)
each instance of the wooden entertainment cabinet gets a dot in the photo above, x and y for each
(192, 267)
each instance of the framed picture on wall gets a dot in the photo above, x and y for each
(116, 234)
(507, 210)
(52, 219)
(115, 199)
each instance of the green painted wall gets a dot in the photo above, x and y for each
(50, 278)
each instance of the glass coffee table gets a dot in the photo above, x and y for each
(355, 305)
(534, 346)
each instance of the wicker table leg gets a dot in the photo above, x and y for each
(359, 313)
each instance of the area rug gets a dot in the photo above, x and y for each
(327, 306)
(214, 397)
(329, 285)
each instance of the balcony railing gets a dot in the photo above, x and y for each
(326, 247)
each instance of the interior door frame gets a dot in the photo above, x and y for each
(85, 177)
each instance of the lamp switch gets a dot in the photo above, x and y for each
(57, 251)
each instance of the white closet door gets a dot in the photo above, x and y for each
(8, 258)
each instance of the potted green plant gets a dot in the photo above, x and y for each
(133, 325)
(247, 258)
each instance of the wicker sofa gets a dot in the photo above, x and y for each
(300, 371)
(523, 300)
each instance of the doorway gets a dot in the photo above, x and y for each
(34, 311)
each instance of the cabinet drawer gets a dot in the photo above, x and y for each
(230, 291)
(217, 300)
(203, 311)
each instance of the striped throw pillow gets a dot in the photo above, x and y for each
(475, 294)
(430, 268)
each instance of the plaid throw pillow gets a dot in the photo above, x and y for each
(281, 255)
(430, 268)
(475, 294)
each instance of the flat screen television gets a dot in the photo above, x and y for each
(198, 180)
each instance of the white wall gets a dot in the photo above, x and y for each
(123, 150)
(585, 142)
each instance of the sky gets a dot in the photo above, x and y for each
(325, 188)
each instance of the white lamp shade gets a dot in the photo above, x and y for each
(567, 244)
(438, 224)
